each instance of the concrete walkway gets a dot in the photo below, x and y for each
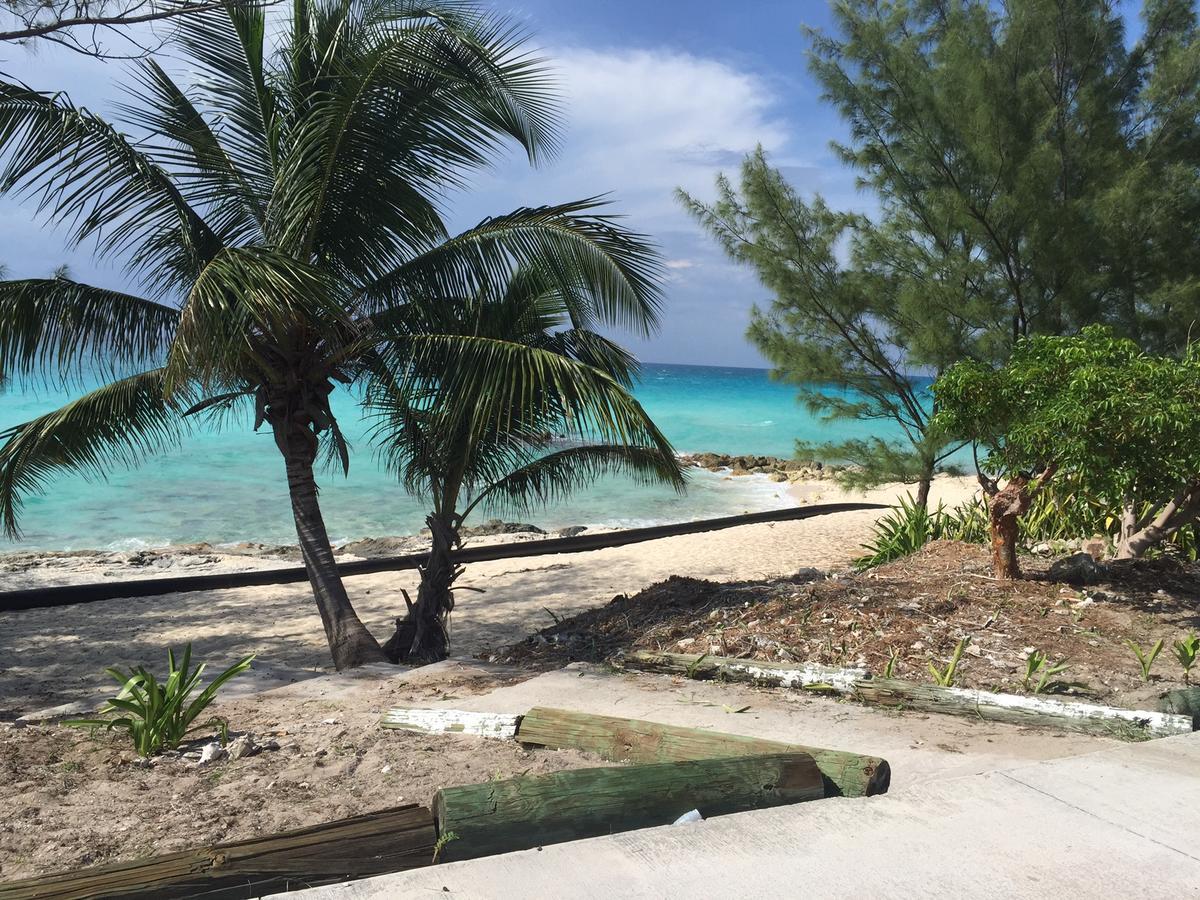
(1097, 820)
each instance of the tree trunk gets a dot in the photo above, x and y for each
(349, 641)
(1139, 536)
(924, 485)
(423, 636)
(1005, 508)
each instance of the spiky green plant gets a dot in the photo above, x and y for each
(1145, 658)
(946, 677)
(280, 210)
(1039, 664)
(1186, 651)
(158, 715)
(902, 532)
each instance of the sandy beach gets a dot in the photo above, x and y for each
(56, 656)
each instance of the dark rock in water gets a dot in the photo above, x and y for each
(571, 530)
(1079, 568)
(496, 526)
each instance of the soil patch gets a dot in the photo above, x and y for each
(74, 799)
(917, 608)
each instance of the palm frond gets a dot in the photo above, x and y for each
(91, 179)
(555, 476)
(604, 273)
(56, 326)
(119, 424)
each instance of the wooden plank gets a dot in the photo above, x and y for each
(752, 670)
(66, 595)
(1014, 709)
(532, 811)
(638, 741)
(374, 844)
(452, 721)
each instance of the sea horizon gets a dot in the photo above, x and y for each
(228, 487)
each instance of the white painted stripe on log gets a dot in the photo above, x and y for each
(453, 721)
(803, 676)
(1156, 723)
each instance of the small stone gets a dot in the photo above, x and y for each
(212, 752)
(1078, 569)
(385, 770)
(242, 746)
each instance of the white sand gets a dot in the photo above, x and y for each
(50, 656)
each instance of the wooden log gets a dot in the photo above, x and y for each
(532, 811)
(1015, 709)
(638, 741)
(452, 721)
(1183, 702)
(374, 844)
(752, 670)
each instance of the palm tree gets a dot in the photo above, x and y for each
(503, 399)
(277, 212)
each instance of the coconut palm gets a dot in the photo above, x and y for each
(503, 399)
(276, 211)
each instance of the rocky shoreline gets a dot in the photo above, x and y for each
(774, 467)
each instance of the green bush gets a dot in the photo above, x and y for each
(158, 714)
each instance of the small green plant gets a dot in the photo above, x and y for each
(1186, 651)
(1145, 660)
(440, 844)
(694, 665)
(1039, 664)
(902, 532)
(889, 671)
(159, 714)
(945, 677)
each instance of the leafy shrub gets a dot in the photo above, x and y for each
(902, 532)
(158, 714)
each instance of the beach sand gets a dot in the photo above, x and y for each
(55, 656)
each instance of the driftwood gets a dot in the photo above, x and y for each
(1014, 709)
(66, 595)
(373, 844)
(522, 813)
(638, 741)
(452, 721)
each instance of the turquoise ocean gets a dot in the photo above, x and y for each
(228, 486)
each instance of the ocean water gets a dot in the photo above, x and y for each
(228, 486)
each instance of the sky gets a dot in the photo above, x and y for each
(659, 94)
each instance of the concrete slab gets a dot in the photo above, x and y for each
(1067, 827)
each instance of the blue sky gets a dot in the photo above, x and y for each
(660, 94)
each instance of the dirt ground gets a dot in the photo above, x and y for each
(73, 798)
(919, 608)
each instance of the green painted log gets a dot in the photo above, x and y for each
(374, 844)
(638, 741)
(532, 811)
(1183, 702)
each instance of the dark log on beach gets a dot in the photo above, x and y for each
(638, 741)
(531, 811)
(1086, 718)
(373, 844)
(66, 595)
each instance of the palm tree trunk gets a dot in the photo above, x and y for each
(423, 636)
(350, 643)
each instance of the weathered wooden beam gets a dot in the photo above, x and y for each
(374, 844)
(1183, 702)
(753, 670)
(452, 721)
(638, 741)
(1015, 709)
(531, 811)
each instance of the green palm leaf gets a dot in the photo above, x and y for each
(119, 424)
(59, 326)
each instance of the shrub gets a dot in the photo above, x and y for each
(159, 714)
